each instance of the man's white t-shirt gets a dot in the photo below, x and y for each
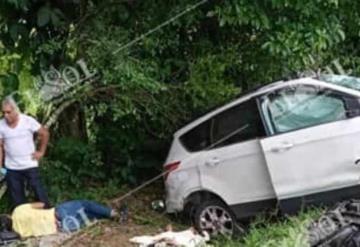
(19, 142)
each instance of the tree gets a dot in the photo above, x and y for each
(149, 85)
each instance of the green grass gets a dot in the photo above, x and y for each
(286, 232)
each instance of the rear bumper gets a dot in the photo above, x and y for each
(174, 201)
(173, 206)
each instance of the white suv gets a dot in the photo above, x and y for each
(287, 144)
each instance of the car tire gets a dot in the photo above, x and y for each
(216, 219)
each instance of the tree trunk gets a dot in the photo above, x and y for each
(72, 122)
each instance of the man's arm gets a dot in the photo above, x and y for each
(43, 136)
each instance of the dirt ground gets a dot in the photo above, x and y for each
(109, 235)
(143, 220)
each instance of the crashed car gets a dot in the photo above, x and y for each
(282, 146)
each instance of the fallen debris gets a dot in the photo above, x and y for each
(187, 238)
(338, 227)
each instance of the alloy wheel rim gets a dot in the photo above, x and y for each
(216, 221)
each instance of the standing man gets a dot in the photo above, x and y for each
(21, 158)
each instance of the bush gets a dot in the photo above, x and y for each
(73, 163)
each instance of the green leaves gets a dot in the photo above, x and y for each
(43, 16)
(47, 15)
(78, 160)
(289, 31)
(10, 83)
(19, 4)
(18, 31)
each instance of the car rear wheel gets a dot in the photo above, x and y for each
(216, 219)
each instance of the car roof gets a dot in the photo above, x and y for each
(255, 92)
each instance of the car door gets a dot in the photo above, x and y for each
(313, 149)
(233, 166)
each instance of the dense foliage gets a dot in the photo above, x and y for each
(149, 85)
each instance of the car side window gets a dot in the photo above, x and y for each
(236, 124)
(197, 138)
(304, 106)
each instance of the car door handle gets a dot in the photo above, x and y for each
(212, 162)
(282, 147)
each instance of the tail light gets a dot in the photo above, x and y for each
(170, 168)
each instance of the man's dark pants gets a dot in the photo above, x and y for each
(16, 179)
